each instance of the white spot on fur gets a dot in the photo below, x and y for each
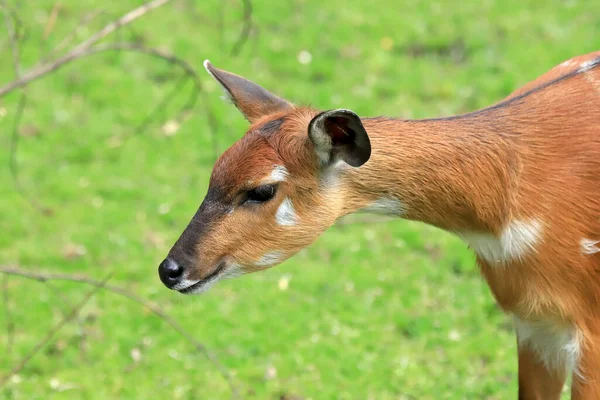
(589, 246)
(183, 284)
(517, 239)
(286, 215)
(269, 259)
(558, 346)
(385, 206)
(587, 65)
(567, 63)
(279, 174)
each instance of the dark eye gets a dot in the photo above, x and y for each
(261, 194)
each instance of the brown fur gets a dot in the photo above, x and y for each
(536, 154)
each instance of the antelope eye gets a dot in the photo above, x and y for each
(261, 194)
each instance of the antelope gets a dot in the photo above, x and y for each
(518, 181)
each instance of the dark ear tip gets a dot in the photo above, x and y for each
(340, 112)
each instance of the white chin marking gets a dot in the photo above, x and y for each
(231, 271)
(589, 246)
(386, 206)
(557, 346)
(515, 241)
(270, 258)
(286, 215)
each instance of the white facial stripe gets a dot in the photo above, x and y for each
(518, 238)
(279, 174)
(270, 258)
(385, 206)
(286, 215)
(589, 246)
(557, 346)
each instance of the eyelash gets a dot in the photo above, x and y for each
(261, 194)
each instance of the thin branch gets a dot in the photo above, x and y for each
(42, 277)
(65, 312)
(162, 105)
(10, 324)
(12, 23)
(51, 20)
(79, 50)
(86, 19)
(50, 335)
(170, 58)
(124, 20)
(188, 70)
(247, 18)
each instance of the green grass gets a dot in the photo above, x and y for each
(394, 310)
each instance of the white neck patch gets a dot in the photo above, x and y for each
(515, 241)
(386, 206)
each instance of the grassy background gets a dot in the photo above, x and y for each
(392, 310)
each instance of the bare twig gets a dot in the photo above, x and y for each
(51, 20)
(43, 277)
(65, 310)
(85, 20)
(81, 49)
(113, 26)
(12, 23)
(247, 18)
(162, 105)
(53, 332)
(10, 325)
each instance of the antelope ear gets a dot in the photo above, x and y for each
(252, 100)
(340, 135)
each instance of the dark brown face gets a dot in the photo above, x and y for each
(266, 198)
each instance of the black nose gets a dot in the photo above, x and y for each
(170, 272)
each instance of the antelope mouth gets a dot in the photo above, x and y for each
(204, 283)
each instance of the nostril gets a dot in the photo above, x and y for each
(170, 272)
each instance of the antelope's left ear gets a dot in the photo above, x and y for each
(251, 99)
(340, 135)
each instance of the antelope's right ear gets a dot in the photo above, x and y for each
(252, 100)
(340, 135)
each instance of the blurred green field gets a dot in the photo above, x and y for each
(389, 310)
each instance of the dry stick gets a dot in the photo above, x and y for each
(53, 332)
(131, 47)
(237, 47)
(86, 19)
(77, 51)
(52, 20)
(11, 22)
(10, 324)
(131, 296)
(162, 105)
(165, 56)
(63, 300)
(13, 166)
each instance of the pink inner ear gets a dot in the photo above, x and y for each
(333, 127)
